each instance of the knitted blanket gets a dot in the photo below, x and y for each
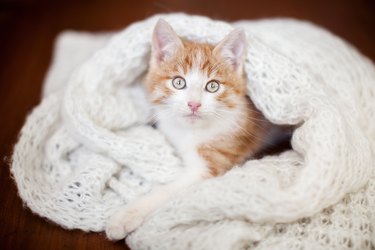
(87, 149)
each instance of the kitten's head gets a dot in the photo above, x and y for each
(194, 83)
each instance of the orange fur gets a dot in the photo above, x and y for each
(227, 150)
(222, 153)
(212, 64)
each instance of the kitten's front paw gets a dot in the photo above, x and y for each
(124, 222)
(115, 232)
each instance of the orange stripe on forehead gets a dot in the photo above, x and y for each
(188, 62)
(212, 69)
(204, 64)
(194, 55)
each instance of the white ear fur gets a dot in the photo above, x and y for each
(165, 41)
(232, 48)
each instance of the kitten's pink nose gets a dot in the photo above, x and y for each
(194, 106)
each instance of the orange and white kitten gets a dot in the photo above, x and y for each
(200, 100)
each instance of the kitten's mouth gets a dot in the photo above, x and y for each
(193, 116)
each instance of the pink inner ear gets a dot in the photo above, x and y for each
(159, 44)
(232, 47)
(237, 51)
(165, 41)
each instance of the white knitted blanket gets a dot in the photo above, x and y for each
(87, 149)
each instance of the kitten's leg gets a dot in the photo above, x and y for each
(128, 218)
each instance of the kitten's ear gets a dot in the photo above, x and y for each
(165, 41)
(232, 48)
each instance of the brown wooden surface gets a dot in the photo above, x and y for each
(27, 32)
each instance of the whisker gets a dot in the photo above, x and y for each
(245, 113)
(245, 131)
(155, 117)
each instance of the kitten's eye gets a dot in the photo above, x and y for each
(179, 82)
(212, 86)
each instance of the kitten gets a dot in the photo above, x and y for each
(200, 100)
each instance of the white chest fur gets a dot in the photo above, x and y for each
(187, 138)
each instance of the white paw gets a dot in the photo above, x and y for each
(115, 232)
(124, 222)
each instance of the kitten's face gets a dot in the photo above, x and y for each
(195, 84)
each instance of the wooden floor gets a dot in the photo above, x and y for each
(27, 32)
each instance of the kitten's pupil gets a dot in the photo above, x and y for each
(212, 86)
(179, 83)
